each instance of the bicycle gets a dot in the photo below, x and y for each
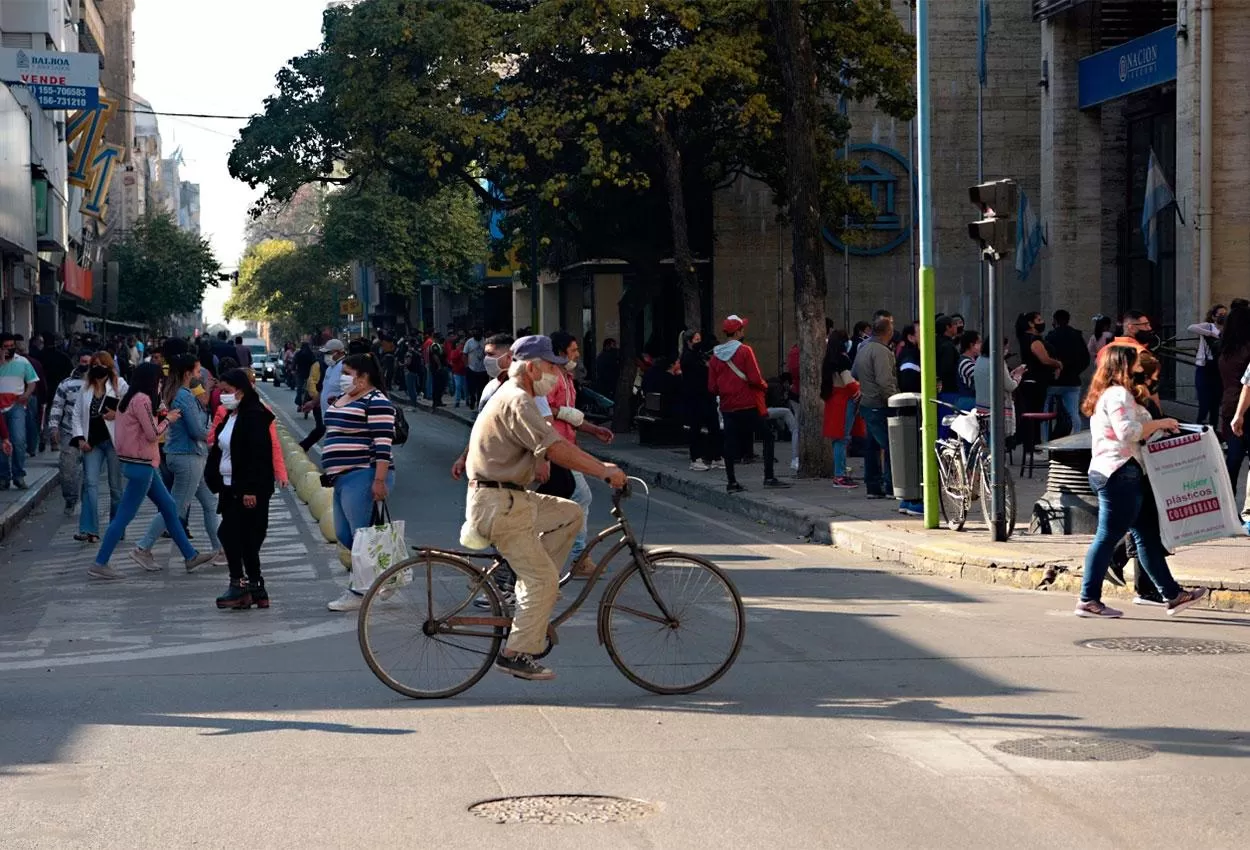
(662, 605)
(965, 477)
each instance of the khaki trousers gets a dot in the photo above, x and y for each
(512, 521)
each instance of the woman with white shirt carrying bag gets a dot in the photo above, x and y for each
(1119, 424)
(94, 415)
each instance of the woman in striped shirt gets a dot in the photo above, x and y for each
(356, 455)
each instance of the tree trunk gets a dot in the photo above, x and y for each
(683, 259)
(798, 74)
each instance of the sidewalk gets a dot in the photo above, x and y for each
(42, 476)
(812, 508)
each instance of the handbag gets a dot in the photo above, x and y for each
(377, 547)
(1192, 490)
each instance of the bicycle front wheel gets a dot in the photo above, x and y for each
(421, 632)
(685, 649)
(953, 489)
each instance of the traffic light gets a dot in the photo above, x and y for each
(996, 230)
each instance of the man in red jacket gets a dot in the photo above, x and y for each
(734, 375)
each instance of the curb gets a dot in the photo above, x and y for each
(14, 514)
(961, 559)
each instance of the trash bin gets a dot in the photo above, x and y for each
(903, 424)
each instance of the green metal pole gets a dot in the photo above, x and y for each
(926, 285)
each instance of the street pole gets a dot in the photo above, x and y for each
(981, 179)
(998, 414)
(925, 285)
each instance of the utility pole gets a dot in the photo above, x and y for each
(996, 235)
(926, 285)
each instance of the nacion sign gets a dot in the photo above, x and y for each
(1130, 67)
(57, 80)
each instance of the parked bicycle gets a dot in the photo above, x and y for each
(964, 470)
(672, 623)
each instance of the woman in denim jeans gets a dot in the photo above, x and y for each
(94, 414)
(360, 428)
(136, 432)
(186, 452)
(1119, 424)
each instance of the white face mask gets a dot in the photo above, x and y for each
(545, 383)
(346, 382)
(229, 401)
(492, 366)
(570, 366)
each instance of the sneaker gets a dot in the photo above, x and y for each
(720, 464)
(1096, 610)
(145, 559)
(347, 602)
(734, 487)
(911, 508)
(220, 559)
(699, 466)
(842, 482)
(193, 564)
(1185, 599)
(71, 508)
(794, 464)
(1152, 601)
(20, 483)
(775, 484)
(876, 497)
(1115, 572)
(524, 667)
(507, 597)
(104, 572)
(1248, 526)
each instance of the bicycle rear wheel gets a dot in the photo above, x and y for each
(690, 648)
(1009, 496)
(407, 634)
(953, 488)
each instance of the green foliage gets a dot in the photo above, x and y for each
(164, 270)
(441, 238)
(295, 287)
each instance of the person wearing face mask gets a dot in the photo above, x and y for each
(497, 358)
(1041, 366)
(186, 453)
(1207, 382)
(475, 358)
(60, 431)
(94, 430)
(356, 457)
(510, 438)
(1119, 424)
(240, 469)
(561, 408)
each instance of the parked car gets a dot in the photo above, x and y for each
(268, 370)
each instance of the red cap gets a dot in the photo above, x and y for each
(733, 324)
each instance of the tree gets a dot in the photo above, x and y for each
(298, 220)
(441, 238)
(163, 269)
(294, 287)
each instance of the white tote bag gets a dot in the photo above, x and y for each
(1191, 489)
(376, 547)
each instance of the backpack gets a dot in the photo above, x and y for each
(402, 428)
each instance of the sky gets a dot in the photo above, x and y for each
(216, 58)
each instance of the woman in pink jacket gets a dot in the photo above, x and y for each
(136, 434)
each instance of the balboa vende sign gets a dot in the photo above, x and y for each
(57, 80)
(1126, 68)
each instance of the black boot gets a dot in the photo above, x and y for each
(260, 596)
(238, 596)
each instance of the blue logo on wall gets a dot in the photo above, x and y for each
(882, 173)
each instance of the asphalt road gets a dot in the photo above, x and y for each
(866, 710)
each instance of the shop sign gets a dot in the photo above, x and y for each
(1136, 65)
(91, 159)
(883, 175)
(57, 80)
(78, 281)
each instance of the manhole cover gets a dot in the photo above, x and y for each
(1073, 749)
(1168, 646)
(563, 809)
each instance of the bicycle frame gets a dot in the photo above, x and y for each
(449, 624)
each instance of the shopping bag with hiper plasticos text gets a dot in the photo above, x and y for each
(1191, 488)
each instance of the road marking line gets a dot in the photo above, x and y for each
(733, 529)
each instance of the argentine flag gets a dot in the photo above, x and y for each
(1158, 198)
(1029, 238)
